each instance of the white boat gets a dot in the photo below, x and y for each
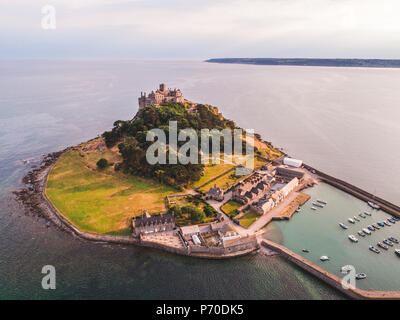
(355, 218)
(313, 208)
(360, 233)
(373, 205)
(317, 205)
(324, 258)
(322, 201)
(343, 226)
(397, 252)
(367, 213)
(351, 220)
(362, 216)
(353, 238)
(366, 231)
(360, 276)
(346, 269)
(387, 223)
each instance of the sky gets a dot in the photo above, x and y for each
(200, 29)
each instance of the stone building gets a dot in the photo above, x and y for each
(146, 223)
(162, 95)
(215, 193)
(252, 187)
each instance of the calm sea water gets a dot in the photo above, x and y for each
(342, 120)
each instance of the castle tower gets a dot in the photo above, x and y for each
(162, 87)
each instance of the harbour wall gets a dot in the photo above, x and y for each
(356, 191)
(326, 276)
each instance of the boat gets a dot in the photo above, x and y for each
(392, 220)
(362, 216)
(322, 201)
(324, 258)
(381, 224)
(383, 246)
(373, 205)
(346, 269)
(360, 276)
(393, 239)
(343, 226)
(397, 252)
(396, 218)
(387, 223)
(388, 242)
(353, 238)
(373, 249)
(306, 250)
(367, 213)
(360, 233)
(355, 218)
(317, 205)
(376, 226)
(371, 228)
(313, 208)
(351, 220)
(366, 231)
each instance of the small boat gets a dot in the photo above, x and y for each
(381, 224)
(317, 205)
(383, 246)
(397, 252)
(360, 233)
(360, 276)
(396, 218)
(322, 201)
(313, 208)
(362, 216)
(388, 242)
(376, 226)
(355, 218)
(324, 258)
(393, 239)
(373, 205)
(367, 213)
(387, 223)
(392, 220)
(366, 231)
(353, 238)
(346, 269)
(371, 228)
(306, 250)
(373, 249)
(343, 226)
(351, 220)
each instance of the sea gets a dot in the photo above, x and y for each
(342, 120)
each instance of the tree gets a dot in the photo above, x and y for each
(209, 210)
(102, 163)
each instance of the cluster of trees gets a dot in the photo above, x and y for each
(196, 215)
(132, 144)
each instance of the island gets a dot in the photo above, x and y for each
(364, 63)
(105, 189)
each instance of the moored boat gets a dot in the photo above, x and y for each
(392, 220)
(351, 220)
(381, 224)
(376, 226)
(366, 231)
(362, 216)
(322, 201)
(397, 252)
(355, 218)
(343, 226)
(317, 205)
(360, 276)
(388, 242)
(371, 228)
(387, 223)
(313, 208)
(367, 213)
(393, 239)
(373, 249)
(383, 246)
(324, 258)
(360, 233)
(353, 238)
(373, 205)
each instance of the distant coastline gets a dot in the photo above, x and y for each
(364, 63)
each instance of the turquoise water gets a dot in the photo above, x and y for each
(319, 231)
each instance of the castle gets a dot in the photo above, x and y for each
(162, 95)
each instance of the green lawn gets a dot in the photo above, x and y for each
(230, 207)
(101, 201)
(248, 218)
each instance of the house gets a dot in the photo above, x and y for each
(146, 223)
(228, 232)
(215, 193)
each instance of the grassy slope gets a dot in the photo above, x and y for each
(230, 207)
(101, 201)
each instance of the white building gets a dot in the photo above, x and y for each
(292, 162)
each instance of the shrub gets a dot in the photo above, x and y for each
(102, 163)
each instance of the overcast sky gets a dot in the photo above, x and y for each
(195, 29)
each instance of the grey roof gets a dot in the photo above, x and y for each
(154, 220)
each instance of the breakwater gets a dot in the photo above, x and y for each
(326, 276)
(356, 191)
